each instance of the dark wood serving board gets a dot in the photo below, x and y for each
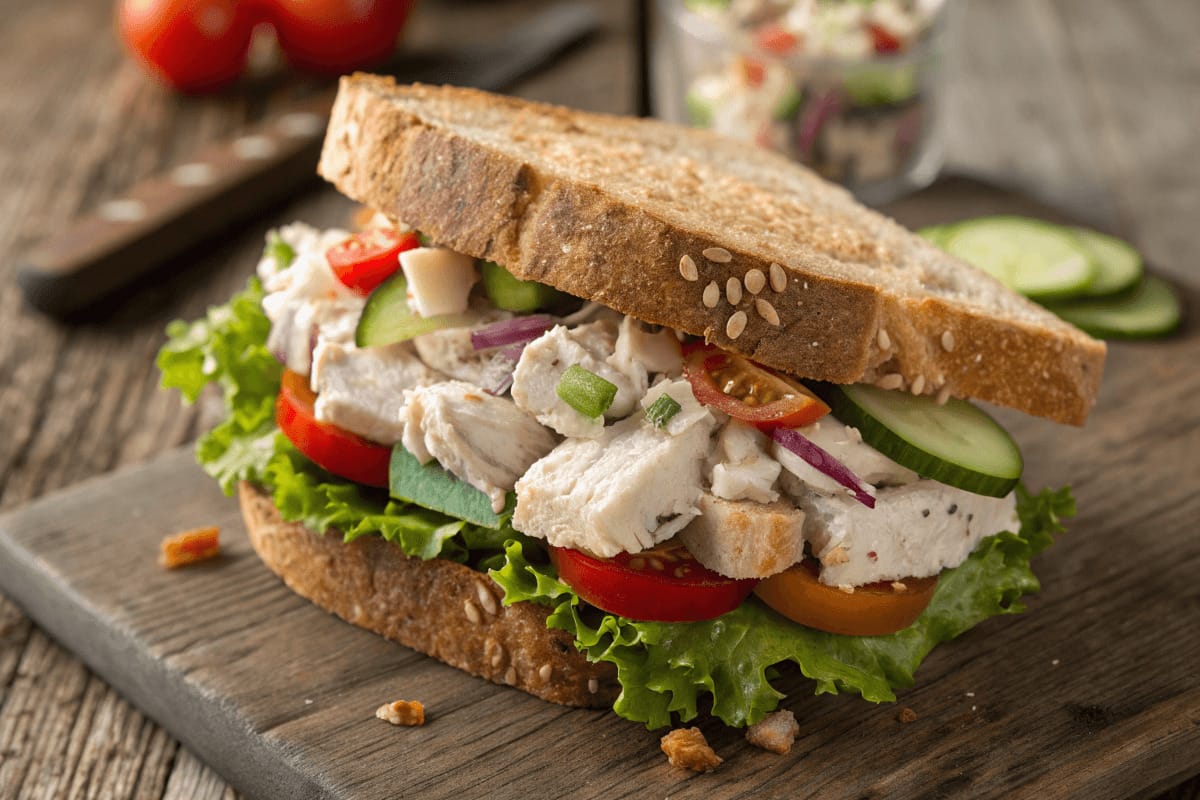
(1094, 693)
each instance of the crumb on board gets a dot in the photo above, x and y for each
(402, 712)
(188, 547)
(687, 748)
(906, 715)
(775, 732)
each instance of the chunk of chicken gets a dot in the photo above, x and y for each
(362, 389)
(628, 489)
(482, 439)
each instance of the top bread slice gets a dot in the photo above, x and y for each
(618, 210)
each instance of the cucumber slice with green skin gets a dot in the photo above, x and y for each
(1037, 259)
(1118, 266)
(937, 235)
(387, 319)
(955, 444)
(1151, 309)
(513, 294)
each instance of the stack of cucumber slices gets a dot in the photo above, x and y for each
(1090, 279)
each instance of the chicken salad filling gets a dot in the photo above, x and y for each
(499, 420)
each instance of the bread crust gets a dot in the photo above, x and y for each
(440, 608)
(387, 150)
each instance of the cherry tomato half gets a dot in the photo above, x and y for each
(746, 391)
(369, 257)
(341, 452)
(872, 610)
(193, 45)
(663, 584)
(774, 39)
(883, 40)
(336, 36)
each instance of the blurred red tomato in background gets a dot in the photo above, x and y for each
(202, 45)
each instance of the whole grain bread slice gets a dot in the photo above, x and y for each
(441, 608)
(644, 217)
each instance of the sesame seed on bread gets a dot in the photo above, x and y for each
(438, 607)
(613, 209)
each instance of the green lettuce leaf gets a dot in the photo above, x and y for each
(229, 348)
(666, 669)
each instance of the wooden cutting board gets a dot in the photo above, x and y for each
(1094, 693)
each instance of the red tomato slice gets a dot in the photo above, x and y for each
(775, 39)
(335, 36)
(369, 257)
(341, 452)
(872, 610)
(753, 71)
(884, 41)
(663, 584)
(748, 392)
(193, 45)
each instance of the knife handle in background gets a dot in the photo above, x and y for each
(162, 217)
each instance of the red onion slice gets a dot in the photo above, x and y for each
(823, 462)
(518, 330)
(822, 108)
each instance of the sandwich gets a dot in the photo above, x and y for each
(627, 415)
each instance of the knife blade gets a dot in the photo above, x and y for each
(163, 216)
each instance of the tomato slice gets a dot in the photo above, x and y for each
(663, 584)
(872, 610)
(746, 391)
(369, 257)
(341, 452)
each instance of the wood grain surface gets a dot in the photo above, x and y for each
(1090, 105)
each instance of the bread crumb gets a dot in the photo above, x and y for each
(402, 712)
(906, 715)
(776, 732)
(687, 748)
(835, 556)
(189, 547)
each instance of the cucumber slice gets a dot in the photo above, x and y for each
(1118, 266)
(937, 235)
(513, 294)
(387, 319)
(1037, 259)
(956, 443)
(1151, 309)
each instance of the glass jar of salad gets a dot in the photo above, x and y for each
(848, 87)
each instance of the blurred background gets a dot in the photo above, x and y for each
(146, 147)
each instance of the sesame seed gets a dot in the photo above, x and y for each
(486, 599)
(978, 357)
(712, 295)
(544, 672)
(806, 284)
(970, 694)
(755, 281)
(918, 384)
(893, 380)
(718, 255)
(885, 341)
(766, 311)
(845, 587)
(593, 685)
(948, 342)
(1054, 663)
(510, 676)
(736, 324)
(778, 278)
(733, 291)
(898, 586)
(687, 268)
(498, 656)
(472, 612)
(943, 395)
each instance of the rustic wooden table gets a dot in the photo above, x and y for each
(1091, 106)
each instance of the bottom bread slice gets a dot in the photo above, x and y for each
(440, 608)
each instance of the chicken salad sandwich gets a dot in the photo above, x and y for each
(623, 414)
